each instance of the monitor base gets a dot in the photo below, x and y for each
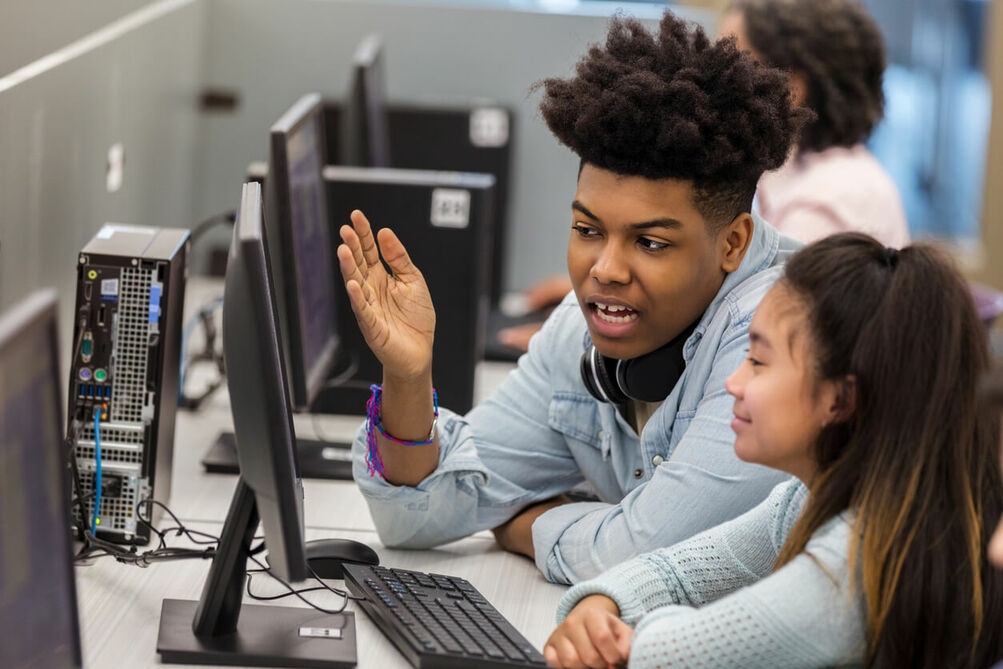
(266, 636)
(317, 459)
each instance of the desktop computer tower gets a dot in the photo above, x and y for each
(445, 221)
(124, 367)
(464, 138)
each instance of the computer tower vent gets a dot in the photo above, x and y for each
(118, 514)
(131, 346)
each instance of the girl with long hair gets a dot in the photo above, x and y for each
(862, 382)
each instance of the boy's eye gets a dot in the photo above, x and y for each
(652, 244)
(584, 230)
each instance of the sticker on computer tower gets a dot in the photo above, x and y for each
(450, 208)
(489, 127)
(109, 288)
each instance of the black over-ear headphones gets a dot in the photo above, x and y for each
(647, 378)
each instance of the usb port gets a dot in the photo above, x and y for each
(107, 392)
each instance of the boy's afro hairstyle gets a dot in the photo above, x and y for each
(676, 106)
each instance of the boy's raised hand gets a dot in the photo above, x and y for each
(394, 312)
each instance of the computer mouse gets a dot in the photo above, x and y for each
(326, 556)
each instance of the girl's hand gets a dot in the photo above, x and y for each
(591, 636)
(394, 312)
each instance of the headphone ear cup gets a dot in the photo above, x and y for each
(599, 376)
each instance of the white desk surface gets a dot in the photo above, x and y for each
(120, 604)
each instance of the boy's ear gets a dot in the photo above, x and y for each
(734, 240)
(844, 401)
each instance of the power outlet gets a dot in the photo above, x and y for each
(116, 167)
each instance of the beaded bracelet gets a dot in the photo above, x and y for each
(373, 460)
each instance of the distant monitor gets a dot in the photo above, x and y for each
(305, 279)
(217, 629)
(365, 131)
(298, 213)
(444, 220)
(38, 601)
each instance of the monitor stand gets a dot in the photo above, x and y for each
(217, 630)
(317, 459)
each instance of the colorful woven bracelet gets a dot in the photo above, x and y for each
(373, 460)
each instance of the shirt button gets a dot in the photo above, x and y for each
(657, 460)
(638, 473)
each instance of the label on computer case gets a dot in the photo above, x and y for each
(109, 288)
(450, 208)
(489, 127)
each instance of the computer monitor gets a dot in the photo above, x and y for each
(298, 213)
(217, 630)
(38, 601)
(305, 279)
(365, 133)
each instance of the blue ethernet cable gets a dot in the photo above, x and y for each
(97, 470)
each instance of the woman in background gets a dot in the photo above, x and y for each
(834, 54)
(862, 382)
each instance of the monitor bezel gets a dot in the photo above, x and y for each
(305, 384)
(249, 234)
(39, 310)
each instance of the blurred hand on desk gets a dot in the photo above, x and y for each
(542, 296)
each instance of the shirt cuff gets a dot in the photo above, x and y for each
(547, 532)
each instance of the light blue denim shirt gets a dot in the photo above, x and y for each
(541, 433)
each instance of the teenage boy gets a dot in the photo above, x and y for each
(623, 387)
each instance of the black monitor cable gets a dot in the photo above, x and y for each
(210, 352)
(298, 592)
(95, 547)
(228, 217)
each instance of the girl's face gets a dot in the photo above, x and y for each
(780, 405)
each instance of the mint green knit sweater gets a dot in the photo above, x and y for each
(715, 601)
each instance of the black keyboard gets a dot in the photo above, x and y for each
(439, 621)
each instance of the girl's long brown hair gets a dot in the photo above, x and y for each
(916, 461)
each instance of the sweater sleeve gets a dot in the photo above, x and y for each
(702, 569)
(802, 615)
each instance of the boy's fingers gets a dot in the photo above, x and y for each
(396, 256)
(366, 240)
(365, 314)
(350, 271)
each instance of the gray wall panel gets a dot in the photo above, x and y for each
(272, 52)
(138, 88)
(30, 29)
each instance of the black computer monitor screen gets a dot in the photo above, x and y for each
(38, 604)
(365, 130)
(259, 400)
(301, 207)
(219, 629)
